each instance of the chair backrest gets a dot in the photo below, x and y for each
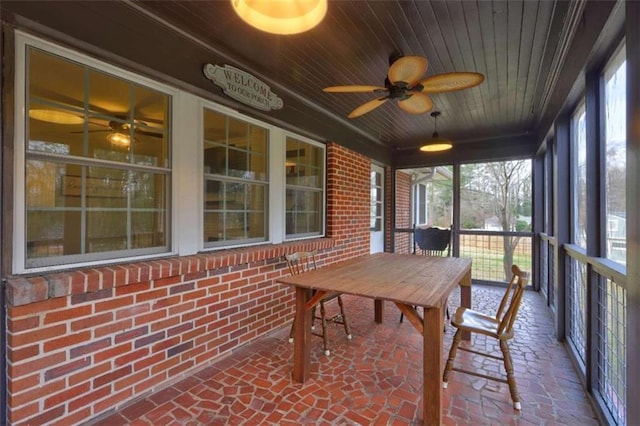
(510, 304)
(301, 261)
(432, 241)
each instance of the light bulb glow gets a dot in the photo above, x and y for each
(119, 139)
(281, 16)
(436, 147)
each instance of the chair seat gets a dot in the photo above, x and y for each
(477, 322)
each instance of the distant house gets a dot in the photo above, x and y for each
(617, 236)
(492, 224)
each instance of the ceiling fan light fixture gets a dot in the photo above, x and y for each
(437, 143)
(281, 16)
(119, 139)
(55, 116)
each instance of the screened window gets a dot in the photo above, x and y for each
(235, 180)
(615, 156)
(434, 196)
(579, 182)
(495, 217)
(304, 170)
(97, 169)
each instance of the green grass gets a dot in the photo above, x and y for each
(488, 264)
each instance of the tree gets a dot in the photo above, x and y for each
(510, 184)
(500, 191)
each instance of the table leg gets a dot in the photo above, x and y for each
(465, 298)
(378, 310)
(302, 337)
(432, 365)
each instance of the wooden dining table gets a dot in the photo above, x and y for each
(409, 281)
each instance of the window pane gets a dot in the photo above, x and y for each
(496, 196)
(235, 167)
(304, 169)
(579, 158)
(74, 210)
(376, 202)
(615, 154)
(302, 212)
(304, 164)
(433, 192)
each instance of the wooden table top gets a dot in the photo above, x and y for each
(416, 280)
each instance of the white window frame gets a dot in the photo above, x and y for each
(187, 171)
(282, 168)
(23, 41)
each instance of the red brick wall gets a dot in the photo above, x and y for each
(80, 343)
(403, 212)
(348, 199)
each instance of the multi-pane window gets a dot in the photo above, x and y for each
(376, 201)
(95, 178)
(615, 77)
(97, 168)
(579, 177)
(235, 180)
(304, 174)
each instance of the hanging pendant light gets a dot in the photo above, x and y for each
(437, 143)
(281, 16)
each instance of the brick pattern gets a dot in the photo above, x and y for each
(403, 212)
(375, 378)
(83, 342)
(348, 199)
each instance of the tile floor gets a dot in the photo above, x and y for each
(374, 379)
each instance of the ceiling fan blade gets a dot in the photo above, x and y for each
(417, 103)
(451, 81)
(352, 89)
(367, 107)
(407, 69)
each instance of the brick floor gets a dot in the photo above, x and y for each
(375, 378)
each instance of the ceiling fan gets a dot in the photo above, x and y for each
(403, 83)
(119, 127)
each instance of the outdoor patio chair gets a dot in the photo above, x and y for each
(499, 327)
(431, 241)
(299, 263)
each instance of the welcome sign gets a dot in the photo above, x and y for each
(243, 87)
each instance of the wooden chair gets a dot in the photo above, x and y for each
(499, 327)
(432, 241)
(299, 263)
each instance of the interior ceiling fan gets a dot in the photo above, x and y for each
(115, 126)
(404, 84)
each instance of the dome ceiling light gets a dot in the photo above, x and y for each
(281, 16)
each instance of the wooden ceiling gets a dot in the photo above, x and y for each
(512, 43)
(523, 47)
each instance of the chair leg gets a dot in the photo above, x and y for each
(452, 356)
(325, 341)
(344, 318)
(511, 378)
(292, 332)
